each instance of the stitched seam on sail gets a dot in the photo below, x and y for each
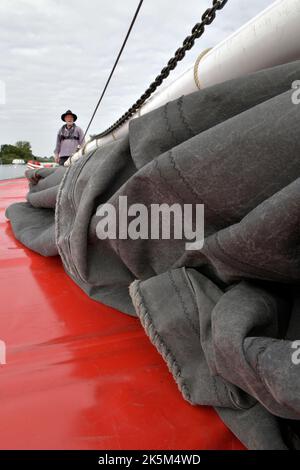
(183, 118)
(189, 187)
(183, 305)
(168, 124)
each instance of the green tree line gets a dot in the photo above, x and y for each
(21, 150)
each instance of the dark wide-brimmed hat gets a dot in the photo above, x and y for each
(63, 116)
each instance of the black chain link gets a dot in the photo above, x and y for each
(207, 18)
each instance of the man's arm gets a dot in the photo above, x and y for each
(57, 148)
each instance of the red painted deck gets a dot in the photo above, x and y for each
(80, 375)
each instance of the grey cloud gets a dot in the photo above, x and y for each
(57, 55)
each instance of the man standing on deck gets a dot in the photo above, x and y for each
(69, 138)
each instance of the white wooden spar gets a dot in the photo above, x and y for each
(271, 38)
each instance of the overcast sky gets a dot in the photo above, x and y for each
(57, 54)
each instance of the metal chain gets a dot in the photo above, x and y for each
(207, 18)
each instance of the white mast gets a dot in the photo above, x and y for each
(271, 38)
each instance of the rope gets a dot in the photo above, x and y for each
(115, 65)
(207, 18)
(196, 66)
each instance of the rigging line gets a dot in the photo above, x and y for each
(207, 18)
(115, 65)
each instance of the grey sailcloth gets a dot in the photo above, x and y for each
(224, 318)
